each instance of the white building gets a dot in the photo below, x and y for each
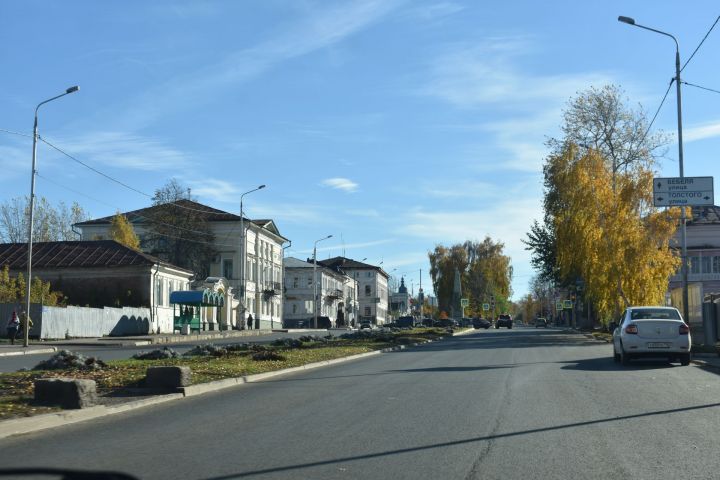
(336, 295)
(400, 304)
(372, 285)
(263, 262)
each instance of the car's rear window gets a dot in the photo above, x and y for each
(655, 313)
(505, 317)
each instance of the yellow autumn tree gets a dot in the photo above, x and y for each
(610, 234)
(121, 231)
(12, 289)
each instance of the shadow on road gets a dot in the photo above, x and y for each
(606, 364)
(465, 441)
(507, 339)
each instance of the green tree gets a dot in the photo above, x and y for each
(121, 230)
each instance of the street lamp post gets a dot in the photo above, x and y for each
(243, 245)
(315, 280)
(683, 235)
(26, 327)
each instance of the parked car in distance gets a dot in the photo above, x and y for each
(428, 322)
(406, 321)
(541, 322)
(652, 332)
(365, 326)
(504, 321)
(481, 323)
(447, 323)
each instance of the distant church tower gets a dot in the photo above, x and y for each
(403, 288)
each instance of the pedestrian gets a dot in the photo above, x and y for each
(12, 327)
(26, 322)
(249, 321)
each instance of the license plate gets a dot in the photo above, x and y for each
(658, 345)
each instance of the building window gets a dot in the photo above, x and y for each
(694, 265)
(368, 290)
(706, 264)
(369, 274)
(295, 283)
(159, 292)
(367, 311)
(310, 281)
(294, 308)
(228, 268)
(716, 264)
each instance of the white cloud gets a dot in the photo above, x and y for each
(701, 132)
(340, 184)
(123, 150)
(216, 190)
(435, 11)
(474, 75)
(369, 213)
(320, 29)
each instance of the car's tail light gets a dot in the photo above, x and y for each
(684, 329)
(632, 328)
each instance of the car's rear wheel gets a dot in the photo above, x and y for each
(685, 359)
(624, 357)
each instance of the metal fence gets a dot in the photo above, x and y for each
(78, 322)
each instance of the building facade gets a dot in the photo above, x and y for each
(336, 296)
(103, 274)
(372, 288)
(703, 248)
(254, 273)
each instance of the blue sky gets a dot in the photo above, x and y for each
(393, 125)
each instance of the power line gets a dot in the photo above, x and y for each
(701, 87)
(94, 169)
(16, 133)
(150, 219)
(175, 204)
(700, 44)
(662, 102)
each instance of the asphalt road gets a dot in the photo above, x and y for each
(513, 404)
(15, 363)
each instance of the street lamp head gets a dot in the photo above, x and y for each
(261, 187)
(628, 20)
(72, 89)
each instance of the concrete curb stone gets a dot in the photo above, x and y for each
(28, 352)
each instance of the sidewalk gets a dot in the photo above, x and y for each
(710, 361)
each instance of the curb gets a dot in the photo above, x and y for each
(19, 426)
(28, 352)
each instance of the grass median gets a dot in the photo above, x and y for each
(122, 378)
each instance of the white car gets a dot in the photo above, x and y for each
(652, 332)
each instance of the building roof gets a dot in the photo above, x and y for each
(142, 215)
(76, 254)
(207, 214)
(343, 263)
(705, 215)
(292, 262)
